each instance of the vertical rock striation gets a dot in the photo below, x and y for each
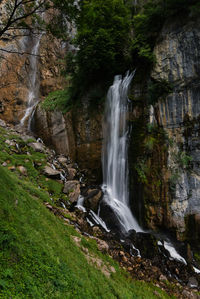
(178, 61)
(77, 133)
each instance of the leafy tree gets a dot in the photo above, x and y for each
(102, 41)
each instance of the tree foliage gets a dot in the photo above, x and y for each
(113, 36)
(148, 22)
(103, 38)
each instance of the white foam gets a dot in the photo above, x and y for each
(196, 270)
(98, 220)
(80, 203)
(90, 223)
(173, 253)
(138, 252)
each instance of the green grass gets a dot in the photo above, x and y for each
(34, 163)
(39, 259)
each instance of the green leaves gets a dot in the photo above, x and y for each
(148, 23)
(102, 36)
(158, 90)
(57, 100)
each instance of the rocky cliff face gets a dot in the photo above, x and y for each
(178, 62)
(13, 79)
(77, 133)
(15, 64)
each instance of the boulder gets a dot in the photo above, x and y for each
(10, 142)
(2, 123)
(62, 160)
(12, 168)
(102, 245)
(52, 173)
(92, 199)
(71, 173)
(192, 283)
(72, 189)
(162, 278)
(37, 146)
(22, 170)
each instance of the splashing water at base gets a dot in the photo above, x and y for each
(115, 155)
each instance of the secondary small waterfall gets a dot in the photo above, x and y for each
(34, 84)
(115, 155)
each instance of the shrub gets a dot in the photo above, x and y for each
(57, 100)
(158, 89)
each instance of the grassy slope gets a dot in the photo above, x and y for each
(38, 259)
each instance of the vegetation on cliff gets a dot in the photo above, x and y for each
(111, 37)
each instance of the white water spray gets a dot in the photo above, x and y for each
(115, 155)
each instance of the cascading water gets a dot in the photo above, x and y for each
(115, 156)
(34, 84)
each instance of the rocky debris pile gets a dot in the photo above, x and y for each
(170, 275)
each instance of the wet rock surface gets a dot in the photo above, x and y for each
(72, 189)
(92, 199)
(177, 57)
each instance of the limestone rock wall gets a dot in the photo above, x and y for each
(56, 130)
(13, 78)
(178, 61)
(77, 133)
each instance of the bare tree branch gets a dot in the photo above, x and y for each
(20, 53)
(14, 19)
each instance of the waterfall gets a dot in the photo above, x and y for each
(34, 85)
(115, 155)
